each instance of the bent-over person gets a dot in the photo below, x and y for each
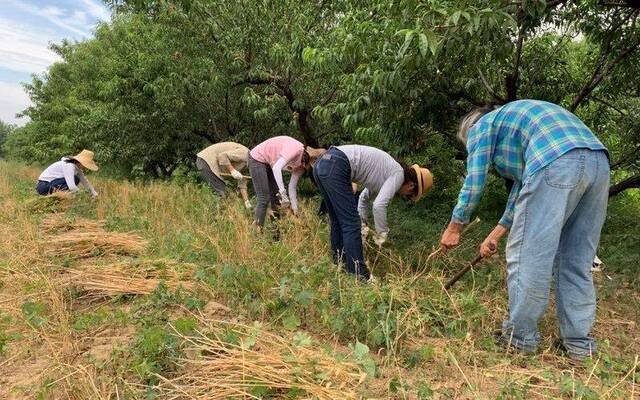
(382, 178)
(554, 215)
(224, 159)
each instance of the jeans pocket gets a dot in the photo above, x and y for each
(566, 172)
(324, 167)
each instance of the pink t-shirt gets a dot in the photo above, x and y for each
(270, 151)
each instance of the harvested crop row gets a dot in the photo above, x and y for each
(119, 278)
(96, 243)
(237, 362)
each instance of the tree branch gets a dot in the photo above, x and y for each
(629, 183)
(511, 80)
(608, 104)
(599, 74)
(489, 88)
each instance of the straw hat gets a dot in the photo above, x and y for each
(425, 181)
(85, 158)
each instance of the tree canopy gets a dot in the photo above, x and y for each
(165, 78)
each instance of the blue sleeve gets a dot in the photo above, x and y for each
(507, 217)
(480, 143)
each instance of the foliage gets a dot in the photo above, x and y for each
(415, 339)
(5, 131)
(162, 79)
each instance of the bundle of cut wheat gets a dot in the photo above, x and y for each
(122, 278)
(242, 362)
(55, 224)
(93, 243)
(57, 201)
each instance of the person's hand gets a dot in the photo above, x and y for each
(284, 200)
(364, 231)
(380, 238)
(236, 175)
(247, 204)
(451, 236)
(489, 247)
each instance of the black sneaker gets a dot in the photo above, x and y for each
(574, 358)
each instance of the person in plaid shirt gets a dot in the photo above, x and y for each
(554, 214)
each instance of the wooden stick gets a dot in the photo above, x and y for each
(466, 269)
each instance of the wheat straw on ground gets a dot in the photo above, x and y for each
(88, 244)
(122, 278)
(260, 360)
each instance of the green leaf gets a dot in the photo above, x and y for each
(408, 38)
(455, 17)
(291, 322)
(423, 44)
(301, 339)
(360, 350)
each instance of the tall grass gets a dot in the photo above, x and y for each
(423, 339)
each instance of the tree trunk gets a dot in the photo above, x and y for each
(305, 129)
(629, 183)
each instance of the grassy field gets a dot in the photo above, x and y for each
(162, 291)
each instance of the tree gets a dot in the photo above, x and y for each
(5, 131)
(166, 77)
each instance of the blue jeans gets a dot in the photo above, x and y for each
(57, 185)
(558, 217)
(332, 174)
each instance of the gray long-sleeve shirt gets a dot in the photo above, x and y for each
(381, 177)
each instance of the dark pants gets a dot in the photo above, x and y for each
(57, 185)
(216, 184)
(266, 188)
(332, 174)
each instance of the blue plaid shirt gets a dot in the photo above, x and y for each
(519, 139)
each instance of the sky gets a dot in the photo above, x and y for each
(27, 27)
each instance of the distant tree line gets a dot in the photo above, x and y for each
(164, 78)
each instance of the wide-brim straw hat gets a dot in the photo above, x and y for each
(85, 158)
(425, 181)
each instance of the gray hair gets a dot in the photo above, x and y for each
(469, 120)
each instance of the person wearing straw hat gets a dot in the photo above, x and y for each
(382, 178)
(66, 174)
(266, 162)
(554, 214)
(224, 159)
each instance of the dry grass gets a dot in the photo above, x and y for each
(85, 244)
(180, 221)
(55, 202)
(260, 362)
(122, 278)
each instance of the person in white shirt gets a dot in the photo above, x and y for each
(66, 174)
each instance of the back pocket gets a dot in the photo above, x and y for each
(566, 172)
(324, 167)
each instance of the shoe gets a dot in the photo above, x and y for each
(574, 358)
(506, 342)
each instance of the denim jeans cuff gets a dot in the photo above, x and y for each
(579, 350)
(523, 346)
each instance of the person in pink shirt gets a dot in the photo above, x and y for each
(266, 162)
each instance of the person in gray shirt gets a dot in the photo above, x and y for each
(382, 178)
